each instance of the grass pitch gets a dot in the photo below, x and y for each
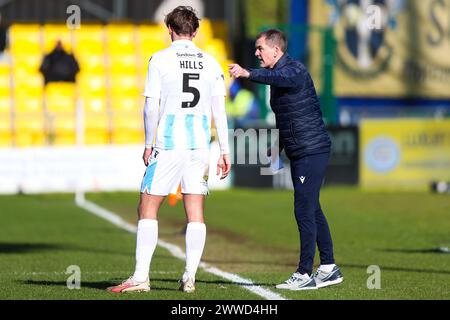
(250, 232)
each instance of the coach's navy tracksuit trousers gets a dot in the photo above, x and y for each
(307, 175)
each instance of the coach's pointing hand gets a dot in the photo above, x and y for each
(237, 71)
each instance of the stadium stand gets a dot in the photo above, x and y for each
(29, 130)
(5, 129)
(113, 61)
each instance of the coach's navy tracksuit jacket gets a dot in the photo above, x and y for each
(307, 144)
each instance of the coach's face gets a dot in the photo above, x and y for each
(268, 55)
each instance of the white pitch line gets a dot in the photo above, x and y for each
(175, 250)
(49, 273)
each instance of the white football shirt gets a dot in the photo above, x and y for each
(184, 79)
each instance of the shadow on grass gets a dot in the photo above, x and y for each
(99, 285)
(292, 265)
(24, 248)
(102, 285)
(224, 282)
(441, 250)
(20, 247)
(252, 262)
(397, 269)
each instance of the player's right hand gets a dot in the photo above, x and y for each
(147, 154)
(223, 166)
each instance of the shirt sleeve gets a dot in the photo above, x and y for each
(151, 117)
(219, 81)
(153, 81)
(286, 77)
(220, 121)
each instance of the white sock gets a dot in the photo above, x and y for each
(195, 242)
(146, 239)
(326, 267)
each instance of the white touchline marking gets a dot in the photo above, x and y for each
(49, 273)
(173, 249)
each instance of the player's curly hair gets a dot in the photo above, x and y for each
(183, 20)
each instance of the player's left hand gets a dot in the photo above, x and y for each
(224, 165)
(146, 155)
(237, 71)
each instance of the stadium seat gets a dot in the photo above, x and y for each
(150, 38)
(5, 85)
(92, 84)
(151, 32)
(28, 63)
(28, 104)
(216, 47)
(5, 88)
(124, 85)
(205, 32)
(25, 38)
(5, 104)
(123, 64)
(51, 33)
(60, 97)
(92, 64)
(5, 69)
(96, 129)
(94, 104)
(122, 103)
(22, 77)
(113, 61)
(28, 85)
(29, 80)
(89, 40)
(29, 130)
(5, 129)
(146, 51)
(120, 39)
(127, 129)
(62, 129)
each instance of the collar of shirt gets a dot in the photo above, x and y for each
(283, 60)
(183, 43)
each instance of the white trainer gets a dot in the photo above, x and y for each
(325, 279)
(297, 282)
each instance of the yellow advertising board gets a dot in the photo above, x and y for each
(404, 153)
(395, 48)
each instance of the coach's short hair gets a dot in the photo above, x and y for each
(183, 20)
(274, 37)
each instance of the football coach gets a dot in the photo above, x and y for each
(307, 144)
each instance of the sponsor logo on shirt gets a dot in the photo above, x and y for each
(186, 55)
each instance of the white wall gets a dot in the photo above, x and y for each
(88, 168)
